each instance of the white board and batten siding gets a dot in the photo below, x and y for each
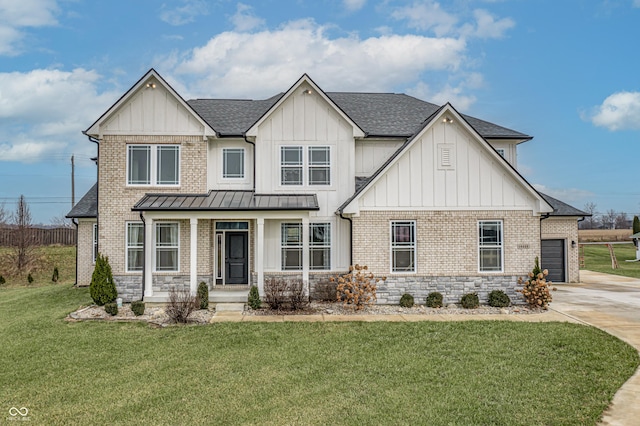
(372, 153)
(215, 166)
(447, 168)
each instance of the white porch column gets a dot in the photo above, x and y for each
(305, 254)
(148, 257)
(259, 250)
(193, 253)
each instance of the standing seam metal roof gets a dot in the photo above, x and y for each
(226, 200)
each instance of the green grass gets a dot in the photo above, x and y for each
(598, 259)
(434, 373)
(45, 259)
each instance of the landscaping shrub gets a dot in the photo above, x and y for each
(357, 288)
(498, 299)
(470, 301)
(55, 276)
(111, 308)
(254, 298)
(137, 308)
(536, 290)
(282, 294)
(29, 278)
(2, 280)
(434, 300)
(203, 295)
(102, 288)
(406, 301)
(181, 305)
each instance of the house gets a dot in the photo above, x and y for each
(307, 182)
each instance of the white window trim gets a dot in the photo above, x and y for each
(501, 246)
(94, 245)
(155, 247)
(318, 166)
(153, 167)
(300, 247)
(414, 246)
(306, 167)
(323, 246)
(244, 164)
(127, 247)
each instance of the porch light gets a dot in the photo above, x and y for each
(447, 120)
(307, 91)
(151, 85)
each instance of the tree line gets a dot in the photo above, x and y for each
(607, 220)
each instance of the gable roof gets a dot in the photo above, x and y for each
(87, 206)
(562, 209)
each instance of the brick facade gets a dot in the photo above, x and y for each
(85, 263)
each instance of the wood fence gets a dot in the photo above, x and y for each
(40, 236)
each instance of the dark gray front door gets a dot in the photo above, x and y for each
(553, 259)
(236, 258)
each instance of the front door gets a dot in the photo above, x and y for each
(236, 257)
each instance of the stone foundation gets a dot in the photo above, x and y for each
(130, 286)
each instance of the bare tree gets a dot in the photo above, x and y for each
(4, 215)
(609, 219)
(61, 222)
(622, 221)
(23, 244)
(592, 221)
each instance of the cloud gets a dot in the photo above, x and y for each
(184, 14)
(16, 15)
(487, 26)
(620, 111)
(456, 95)
(353, 5)
(230, 62)
(43, 112)
(567, 195)
(244, 19)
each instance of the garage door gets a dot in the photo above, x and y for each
(553, 259)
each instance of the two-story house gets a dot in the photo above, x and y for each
(307, 182)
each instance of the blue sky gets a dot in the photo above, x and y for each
(565, 72)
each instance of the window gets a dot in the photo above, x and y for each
(490, 245)
(500, 151)
(233, 163)
(291, 242)
(167, 242)
(153, 165)
(95, 242)
(135, 244)
(403, 246)
(293, 164)
(319, 165)
(320, 246)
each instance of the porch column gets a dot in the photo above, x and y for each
(305, 254)
(260, 254)
(193, 269)
(148, 257)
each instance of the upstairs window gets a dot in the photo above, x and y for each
(490, 245)
(291, 165)
(153, 165)
(319, 165)
(299, 166)
(233, 163)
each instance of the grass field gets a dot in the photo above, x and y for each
(46, 258)
(597, 258)
(434, 373)
(604, 235)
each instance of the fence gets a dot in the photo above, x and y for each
(40, 236)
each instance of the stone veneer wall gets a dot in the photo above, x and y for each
(85, 263)
(566, 229)
(130, 286)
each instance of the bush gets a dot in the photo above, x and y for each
(203, 295)
(434, 300)
(536, 290)
(137, 308)
(470, 301)
(111, 308)
(406, 301)
(282, 294)
(29, 278)
(55, 276)
(357, 288)
(2, 280)
(181, 305)
(254, 298)
(102, 288)
(498, 299)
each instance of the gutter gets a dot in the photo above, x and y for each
(144, 253)
(253, 154)
(350, 237)
(543, 217)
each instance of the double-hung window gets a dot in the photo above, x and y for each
(291, 165)
(490, 245)
(320, 246)
(233, 163)
(291, 243)
(403, 246)
(153, 165)
(167, 246)
(300, 166)
(319, 165)
(135, 244)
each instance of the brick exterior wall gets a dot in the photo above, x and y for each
(566, 229)
(85, 252)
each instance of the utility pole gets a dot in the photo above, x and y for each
(73, 184)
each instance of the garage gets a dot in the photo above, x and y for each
(553, 259)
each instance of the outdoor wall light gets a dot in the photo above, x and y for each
(307, 91)
(151, 85)
(573, 244)
(447, 120)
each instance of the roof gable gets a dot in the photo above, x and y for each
(150, 106)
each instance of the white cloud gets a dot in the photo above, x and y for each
(184, 14)
(230, 63)
(486, 25)
(454, 95)
(620, 111)
(353, 5)
(18, 14)
(244, 19)
(43, 111)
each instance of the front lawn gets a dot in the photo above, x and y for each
(598, 259)
(484, 372)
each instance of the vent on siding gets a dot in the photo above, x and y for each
(446, 160)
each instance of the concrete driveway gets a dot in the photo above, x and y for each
(610, 303)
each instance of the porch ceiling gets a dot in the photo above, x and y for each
(227, 201)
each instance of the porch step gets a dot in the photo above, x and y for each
(228, 296)
(229, 307)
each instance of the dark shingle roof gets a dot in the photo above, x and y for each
(87, 206)
(227, 200)
(377, 114)
(562, 209)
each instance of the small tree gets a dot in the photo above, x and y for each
(358, 287)
(203, 295)
(636, 224)
(22, 254)
(254, 298)
(536, 290)
(102, 288)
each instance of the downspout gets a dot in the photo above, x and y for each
(253, 154)
(97, 142)
(543, 217)
(350, 237)
(144, 253)
(73, 220)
